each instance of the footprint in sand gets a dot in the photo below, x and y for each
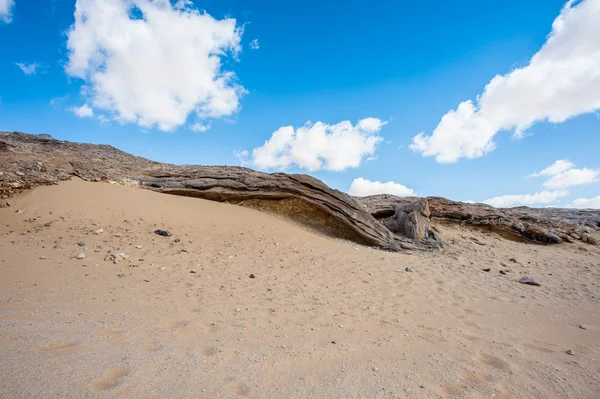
(60, 345)
(234, 387)
(206, 351)
(169, 324)
(152, 346)
(238, 389)
(473, 376)
(492, 361)
(450, 391)
(109, 380)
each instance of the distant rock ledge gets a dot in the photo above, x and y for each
(383, 221)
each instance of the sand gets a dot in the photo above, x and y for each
(322, 317)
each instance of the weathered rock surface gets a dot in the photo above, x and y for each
(384, 221)
(32, 160)
(545, 226)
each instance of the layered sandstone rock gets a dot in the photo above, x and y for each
(27, 161)
(383, 221)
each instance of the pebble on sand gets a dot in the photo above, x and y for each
(408, 269)
(98, 231)
(164, 233)
(529, 281)
(81, 244)
(80, 255)
(583, 326)
(570, 352)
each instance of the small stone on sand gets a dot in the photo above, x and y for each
(529, 281)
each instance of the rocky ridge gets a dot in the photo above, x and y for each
(383, 221)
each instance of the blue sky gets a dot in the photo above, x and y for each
(201, 82)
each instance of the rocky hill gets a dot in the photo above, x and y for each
(383, 221)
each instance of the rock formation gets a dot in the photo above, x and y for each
(383, 221)
(27, 161)
(544, 226)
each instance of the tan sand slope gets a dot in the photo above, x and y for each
(321, 318)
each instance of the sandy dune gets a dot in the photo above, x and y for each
(321, 318)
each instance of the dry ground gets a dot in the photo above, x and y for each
(321, 318)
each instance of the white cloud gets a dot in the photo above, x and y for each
(543, 197)
(28, 69)
(241, 153)
(562, 80)
(254, 45)
(320, 146)
(152, 63)
(84, 111)
(199, 127)
(242, 156)
(571, 177)
(362, 187)
(6, 10)
(585, 203)
(557, 167)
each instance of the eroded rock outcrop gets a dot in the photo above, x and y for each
(384, 221)
(412, 220)
(27, 161)
(544, 226)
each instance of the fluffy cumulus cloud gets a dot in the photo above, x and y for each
(562, 80)
(572, 177)
(563, 174)
(320, 146)
(362, 187)
(560, 175)
(28, 69)
(557, 167)
(543, 197)
(6, 7)
(85, 111)
(199, 127)
(587, 203)
(153, 63)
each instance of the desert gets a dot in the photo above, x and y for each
(245, 301)
(342, 199)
